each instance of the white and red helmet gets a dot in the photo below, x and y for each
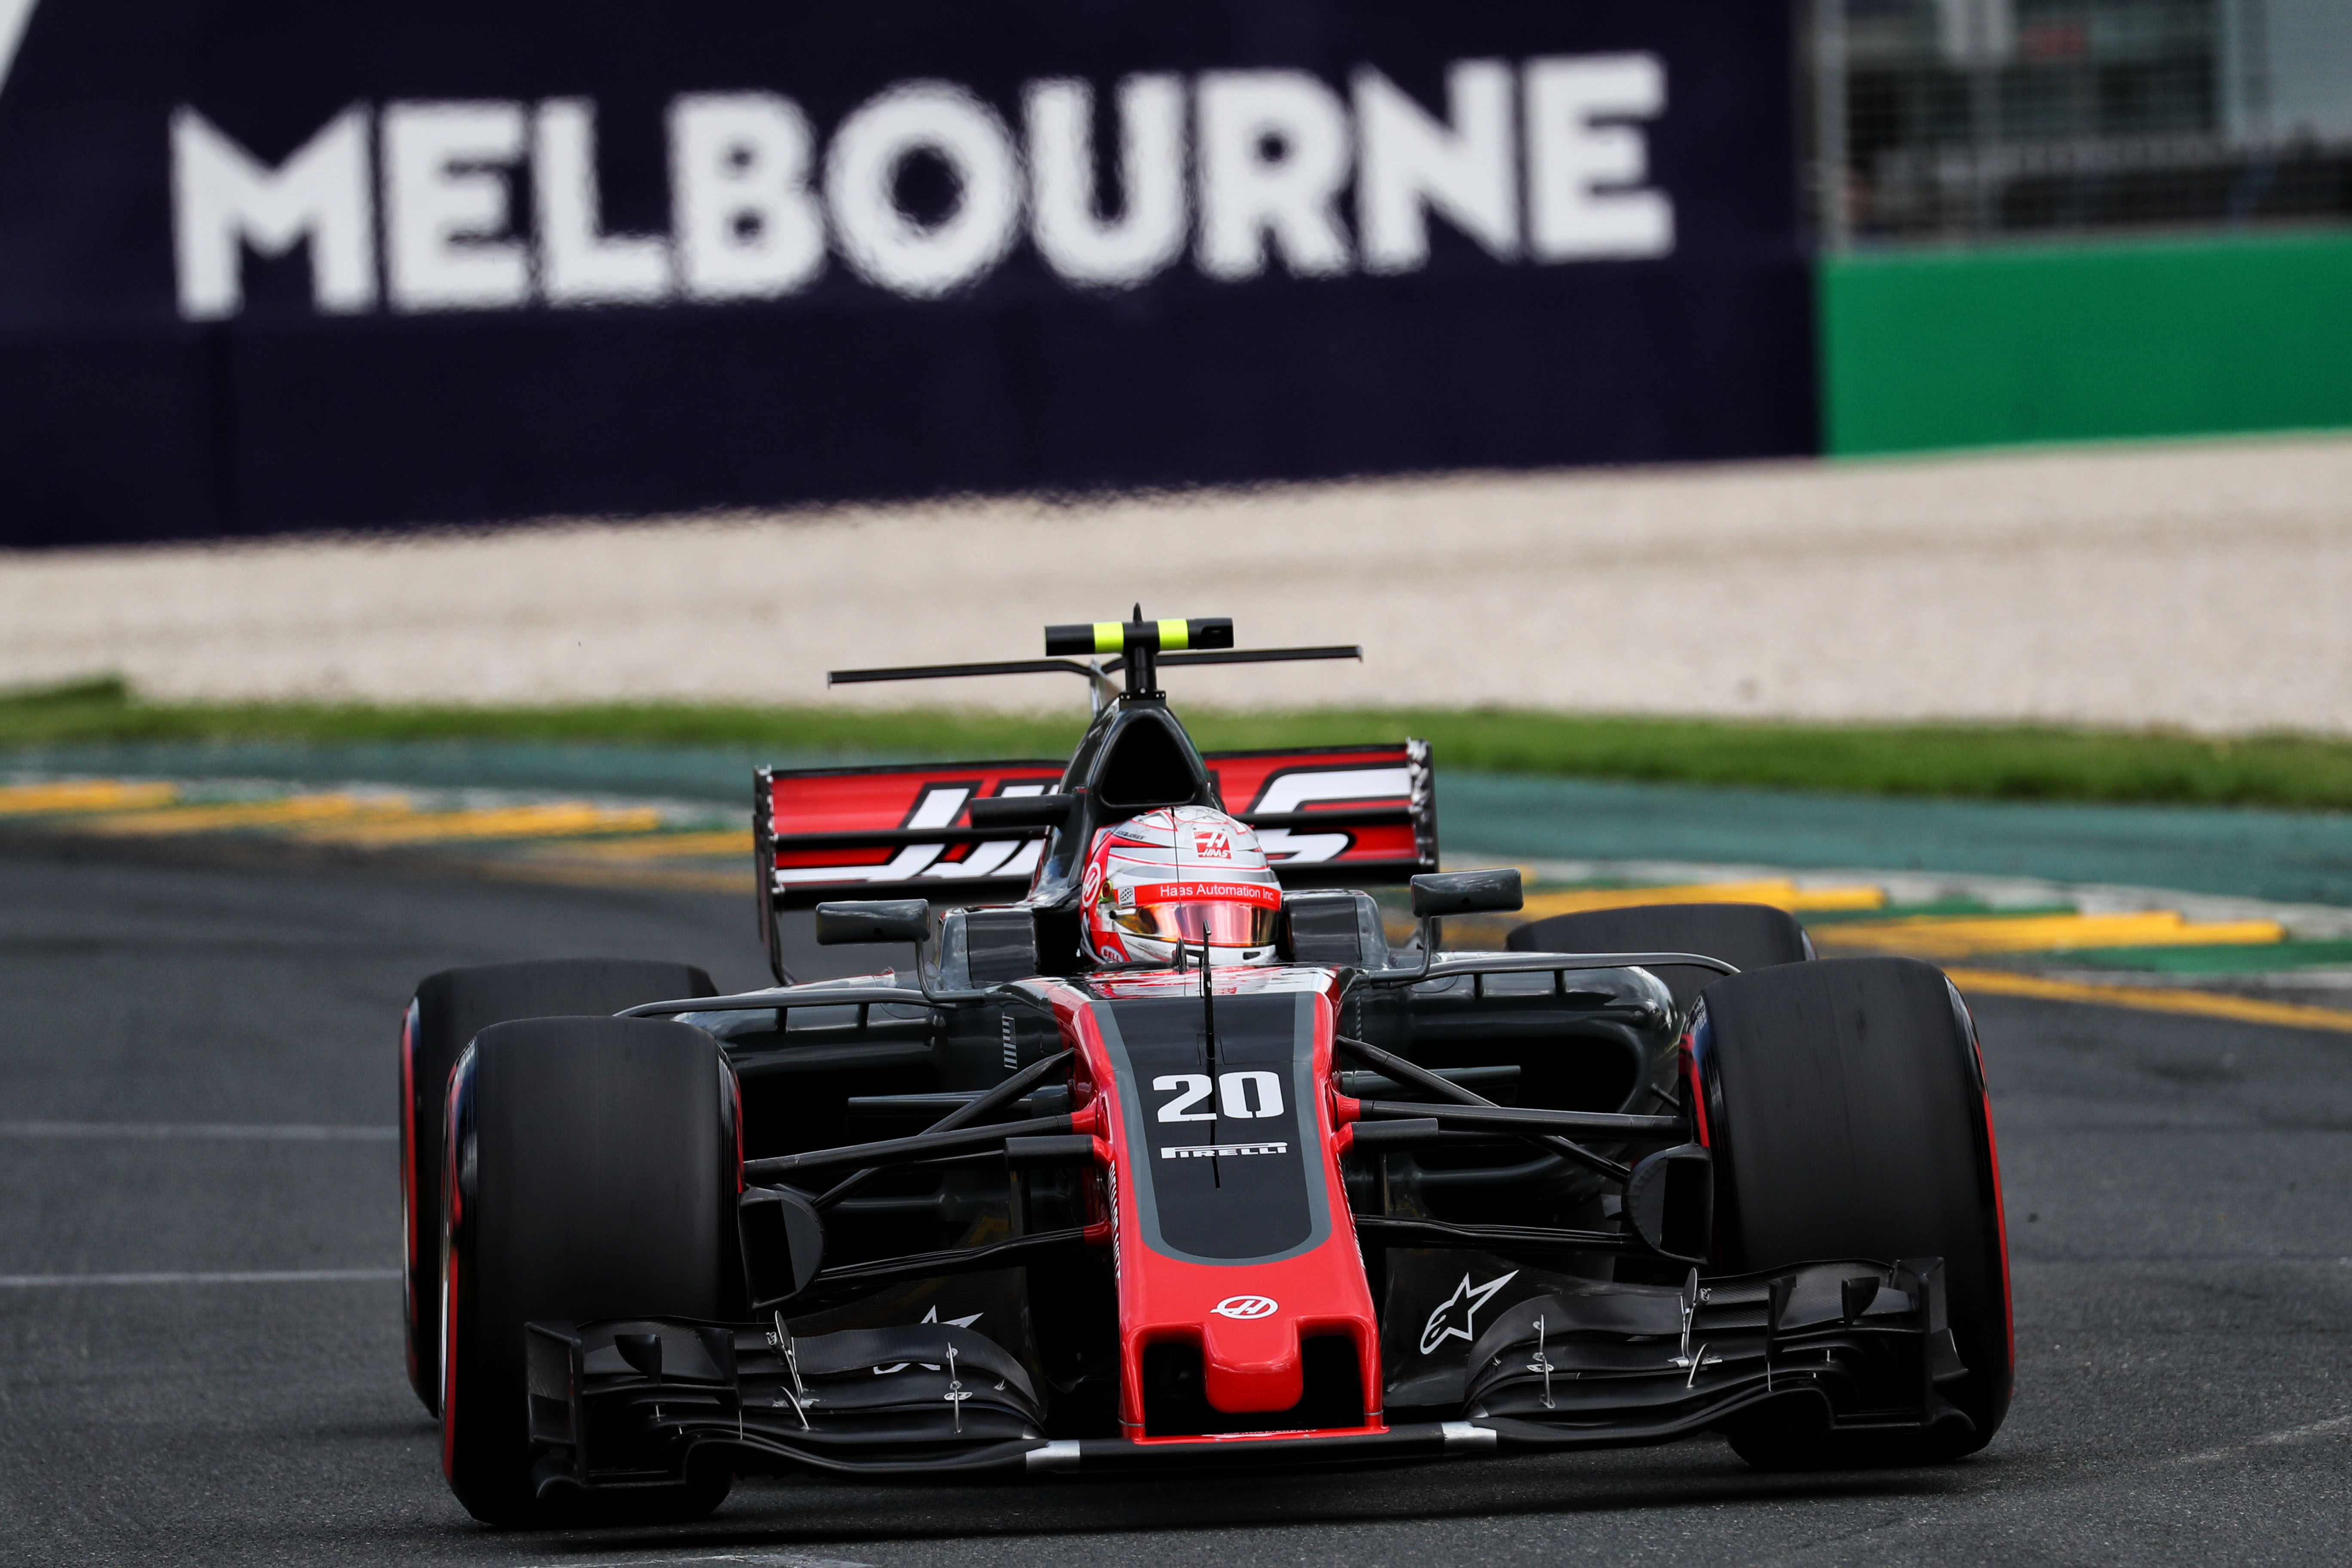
(1186, 875)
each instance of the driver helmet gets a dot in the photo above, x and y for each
(1186, 874)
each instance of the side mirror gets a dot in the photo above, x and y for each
(1439, 893)
(873, 920)
(1023, 810)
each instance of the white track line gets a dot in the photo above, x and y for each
(304, 1133)
(2271, 1440)
(762, 1559)
(256, 1277)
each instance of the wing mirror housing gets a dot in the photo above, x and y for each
(1023, 811)
(1495, 892)
(873, 920)
(1436, 894)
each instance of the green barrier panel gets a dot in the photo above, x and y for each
(2085, 341)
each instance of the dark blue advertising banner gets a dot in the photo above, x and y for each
(269, 266)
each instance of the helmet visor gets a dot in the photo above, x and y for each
(1219, 924)
(1220, 913)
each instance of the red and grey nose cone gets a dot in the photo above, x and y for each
(1249, 1356)
(1234, 1228)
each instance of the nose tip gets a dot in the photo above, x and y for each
(1251, 1364)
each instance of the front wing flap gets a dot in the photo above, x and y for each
(1627, 1363)
(623, 1404)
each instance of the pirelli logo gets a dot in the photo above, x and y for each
(1203, 1151)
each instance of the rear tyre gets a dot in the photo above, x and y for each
(594, 1173)
(1847, 1115)
(1746, 936)
(449, 1009)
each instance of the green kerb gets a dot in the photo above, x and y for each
(2247, 958)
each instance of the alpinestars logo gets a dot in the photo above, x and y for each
(1456, 1316)
(930, 1317)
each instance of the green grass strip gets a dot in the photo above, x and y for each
(99, 712)
(1979, 761)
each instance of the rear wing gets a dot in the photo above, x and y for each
(902, 832)
(1328, 817)
(1331, 816)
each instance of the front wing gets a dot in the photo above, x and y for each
(636, 1402)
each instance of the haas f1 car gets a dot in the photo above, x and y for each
(1161, 1154)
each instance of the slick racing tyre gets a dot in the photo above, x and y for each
(448, 1010)
(593, 1174)
(1745, 936)
(1846, 1113)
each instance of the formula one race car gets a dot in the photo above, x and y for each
(1161, 1154)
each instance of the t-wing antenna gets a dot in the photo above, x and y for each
(1138, 647)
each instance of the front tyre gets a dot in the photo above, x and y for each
(449, 1009)
(593, 1171)
(1847, 1115)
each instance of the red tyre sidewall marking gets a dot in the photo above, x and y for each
(2000, 1221)
(1697, 1092)
(412, 1252)
(454, 1210)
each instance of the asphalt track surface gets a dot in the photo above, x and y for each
(2177, 1190)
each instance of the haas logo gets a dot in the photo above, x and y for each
(1212, 843)
(1244, 1307)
